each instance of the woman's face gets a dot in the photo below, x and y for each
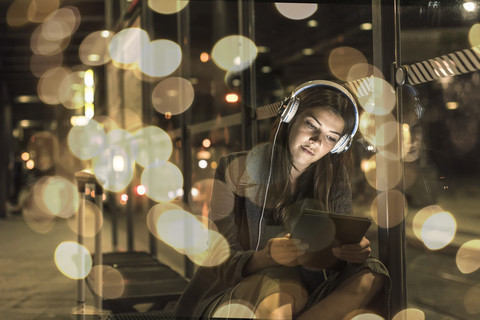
(314, 133)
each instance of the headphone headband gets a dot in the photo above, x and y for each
(290, 106)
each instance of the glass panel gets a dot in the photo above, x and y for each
(438, 41)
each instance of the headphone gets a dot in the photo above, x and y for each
(289, 108)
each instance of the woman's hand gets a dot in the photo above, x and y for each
(278, 251)
(356, 253)
(286, 250)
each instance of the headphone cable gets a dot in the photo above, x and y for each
(267, 187)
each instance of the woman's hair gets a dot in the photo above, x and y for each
(318, 185)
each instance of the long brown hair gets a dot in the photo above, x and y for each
(322, 180)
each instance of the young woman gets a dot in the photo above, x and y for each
(257, 199)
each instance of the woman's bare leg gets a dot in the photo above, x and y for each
(354, 293)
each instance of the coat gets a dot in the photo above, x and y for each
(236, 207)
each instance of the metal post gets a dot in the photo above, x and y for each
(246, 26)
(391, 238)
(183, 27)
(82, 179)
(98, 260)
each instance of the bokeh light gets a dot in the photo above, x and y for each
(154, 144)
(160, 58)
(167, 6)
(421, 216)
(296, 11)
(471, 299)
(73, 260)
(191, 235)
(211, 253)
(41, 10)
(206, 143)
(234, 53)
(474, 35)
(87, 141)
(37, 220)
(173, 95)
(56, 195)
(368, 316)
(106, 122)
(39, 63)
(72, 88)
(93, 50)
(92, 220)
(221, 203)
(468, 256)
(391, 167)
(155, 212)
(112, 285)
(50, 83)
(17, 13)
(410, 314)
(114, 167)
(342, 59)
(381, 99)
(61, 23)
(182, 231)
(44, 149)
(124, 139)
(394, 204)
(41, 45)
(386, 131)
(438, 230)
(363, 70)
(126, 46)
(127, 119)
(162, 179)
(199, 196)
(234, 310)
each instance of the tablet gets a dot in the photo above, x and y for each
(323, 231)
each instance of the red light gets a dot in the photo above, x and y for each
(140, 189)
(123, 198)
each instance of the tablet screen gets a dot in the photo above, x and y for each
(324, 230)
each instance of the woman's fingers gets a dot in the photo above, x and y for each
(286, 250)
(356, 253)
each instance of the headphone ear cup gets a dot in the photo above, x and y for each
(341, 145)
(290, 110)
